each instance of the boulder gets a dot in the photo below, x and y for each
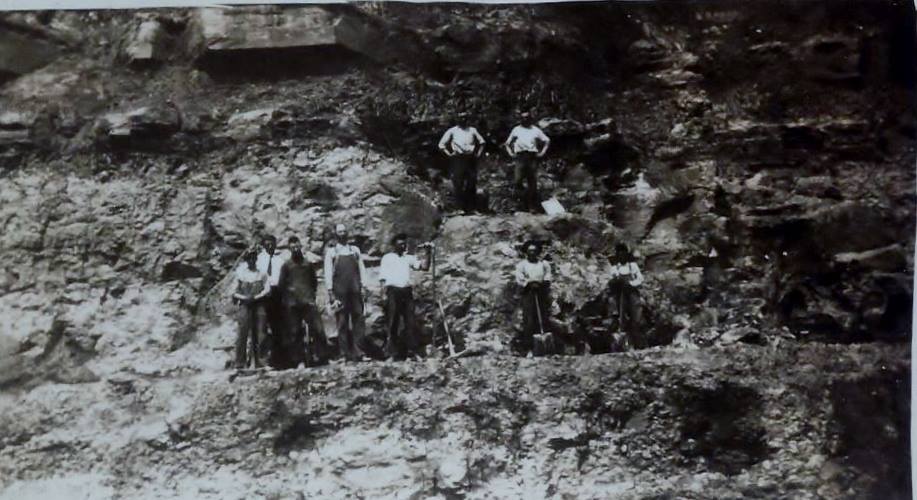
(265, 27)
(146, 42)
(249, 124)
(154, 121)
(560, 127)
(21, 53)
(888, 259)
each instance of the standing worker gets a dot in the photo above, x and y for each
(269, 262)
(395, 279)
(345, 275)
(250, 287)
(463, 145)
(534, 276)
(298, 284)
(625, 278)
(525, 143)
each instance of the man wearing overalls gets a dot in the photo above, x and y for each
(344, 278)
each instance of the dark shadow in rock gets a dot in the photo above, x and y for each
(235, 66)
(61, 361)
(670, 208)
(174, 270)
(871, 424)
(722, 425)
(300, 432)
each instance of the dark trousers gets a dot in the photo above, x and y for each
(526, 172)
(465, 180)
(531, 312)
(273, 310)
(308, 341)
(351, 325)
(401, 329)
(252, 324)
(625, 305)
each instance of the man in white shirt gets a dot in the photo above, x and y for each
(533, 275)
(623, 290)
(345, 276)
(269, 263)
(395, 279)
(525, 143)
(249, 287)
(463, 145)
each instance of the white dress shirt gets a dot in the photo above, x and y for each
(275, 262)
(461, 141)
(395, 269)
(526, 139)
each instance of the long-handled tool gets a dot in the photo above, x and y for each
(544, 337)
(442, 311)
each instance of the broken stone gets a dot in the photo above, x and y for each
(249, 124)
(265, 27)
(558, 127)
(147, 121)
(147, 43)
(21, 53)
(888, 259)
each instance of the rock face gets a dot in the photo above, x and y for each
(721, 423)
(763, 177)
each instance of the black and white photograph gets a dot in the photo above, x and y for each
(633, 249)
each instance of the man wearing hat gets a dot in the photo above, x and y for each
(463, 145)
(533, 275)
(345, 276)
(525, 143)
(623, 288)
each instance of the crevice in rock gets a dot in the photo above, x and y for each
(721, 425)
(276, 64)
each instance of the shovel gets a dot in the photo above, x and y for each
(545, 338)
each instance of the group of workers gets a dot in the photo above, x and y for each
(464, 145)
(277, 292)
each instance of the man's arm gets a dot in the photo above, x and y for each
(478, 142)
(235, 294)
(363, 278)
(637, 280)
(445, 144)
(329, 269)
(520, 275)
(424, 265)
(383, 271)
(546, 141)
(509, 143)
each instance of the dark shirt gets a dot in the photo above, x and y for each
(298, 282)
